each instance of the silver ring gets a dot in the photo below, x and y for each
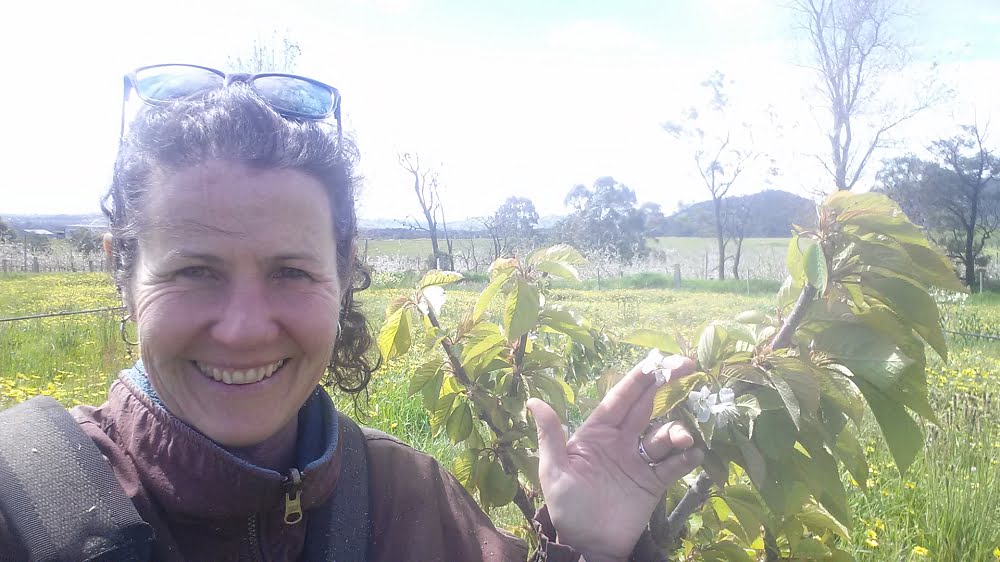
(644, 455)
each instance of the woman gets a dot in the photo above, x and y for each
(234, 229)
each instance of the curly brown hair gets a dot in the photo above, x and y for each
(233, 124)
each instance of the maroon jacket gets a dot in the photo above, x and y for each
(206, 504)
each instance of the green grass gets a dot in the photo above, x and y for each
(940, 504)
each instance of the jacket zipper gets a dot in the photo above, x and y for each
(255, 552)
(292, 484)
(293, 497)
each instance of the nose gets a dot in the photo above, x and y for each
(247, 319)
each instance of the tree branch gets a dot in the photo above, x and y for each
(693, 499)
(520, 497)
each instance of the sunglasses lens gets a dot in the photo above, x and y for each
(294, 95)
(175, 82)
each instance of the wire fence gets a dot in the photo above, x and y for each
(62, 313)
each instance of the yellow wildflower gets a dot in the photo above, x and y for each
(872, 534)
(872, 543)
(920, 551)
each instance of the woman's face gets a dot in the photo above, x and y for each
(236, 296)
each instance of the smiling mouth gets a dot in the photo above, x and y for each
(243, 376)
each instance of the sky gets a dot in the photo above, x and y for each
(509, 98)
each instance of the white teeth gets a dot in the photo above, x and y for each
(248, 376)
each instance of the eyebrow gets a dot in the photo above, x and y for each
(213, 259)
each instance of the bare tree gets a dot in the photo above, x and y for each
(278, 53)
(737, 213)
(722, 151)
(853, 49)
(425, 187)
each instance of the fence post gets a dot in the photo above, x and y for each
(980, 281)
(34, 264)
(677, 276)
(706, 265)
(5, 265)
(90, 266)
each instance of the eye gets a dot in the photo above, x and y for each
(196, 272)
(292, 273)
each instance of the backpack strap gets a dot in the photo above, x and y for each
(340, 530)
(58, 492)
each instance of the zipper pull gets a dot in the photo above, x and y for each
(293, 497)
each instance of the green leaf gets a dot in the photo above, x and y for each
(496, 487)
(438, 277)
(423, 375)
(480, 343)
(787, 397)
(710, 344)
(714, 465)
(819, 520)
(843, 392)
(489, 292)
(933, 268)
(867, 354)
(755, 465)
(747, 508)
(464, 468)
(795, 263)
(442, 412)
(527, 465)
(558, 253)
(809, 548)
(668, 396)
(848, 202)
(460, 422)
(790, 291)
(814, 264)
(911, 303)
(902, 434)
(394, 337)
(898, 227)
(521, 312)
(726, 551)
(666, 343)
(751, 317)
(823, 478)
(431, 391)
(800, 377)
(775, 434)
(567, 322)
(849, 451)
(559, 269)
(559, 393)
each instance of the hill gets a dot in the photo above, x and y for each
(772, 214)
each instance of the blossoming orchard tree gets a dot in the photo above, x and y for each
(776, 403)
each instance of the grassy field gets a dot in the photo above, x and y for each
(947, 504)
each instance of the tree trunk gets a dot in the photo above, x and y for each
(736, 257)
(970, 240)
(720, 238)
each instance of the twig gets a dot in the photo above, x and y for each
(699, 492)
(784, 337)
(693, 499)
(520, 497)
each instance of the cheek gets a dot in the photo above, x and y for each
(311, 319)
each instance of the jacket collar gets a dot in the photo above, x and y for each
(191, 476)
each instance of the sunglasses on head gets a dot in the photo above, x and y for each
(292, 96)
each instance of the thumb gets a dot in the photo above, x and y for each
(551, 438)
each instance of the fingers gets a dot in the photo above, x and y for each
(667, 440)
(676, 367)
(670, 470)
(551, 438)
(618, 402)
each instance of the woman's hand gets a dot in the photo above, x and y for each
(600, 493)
